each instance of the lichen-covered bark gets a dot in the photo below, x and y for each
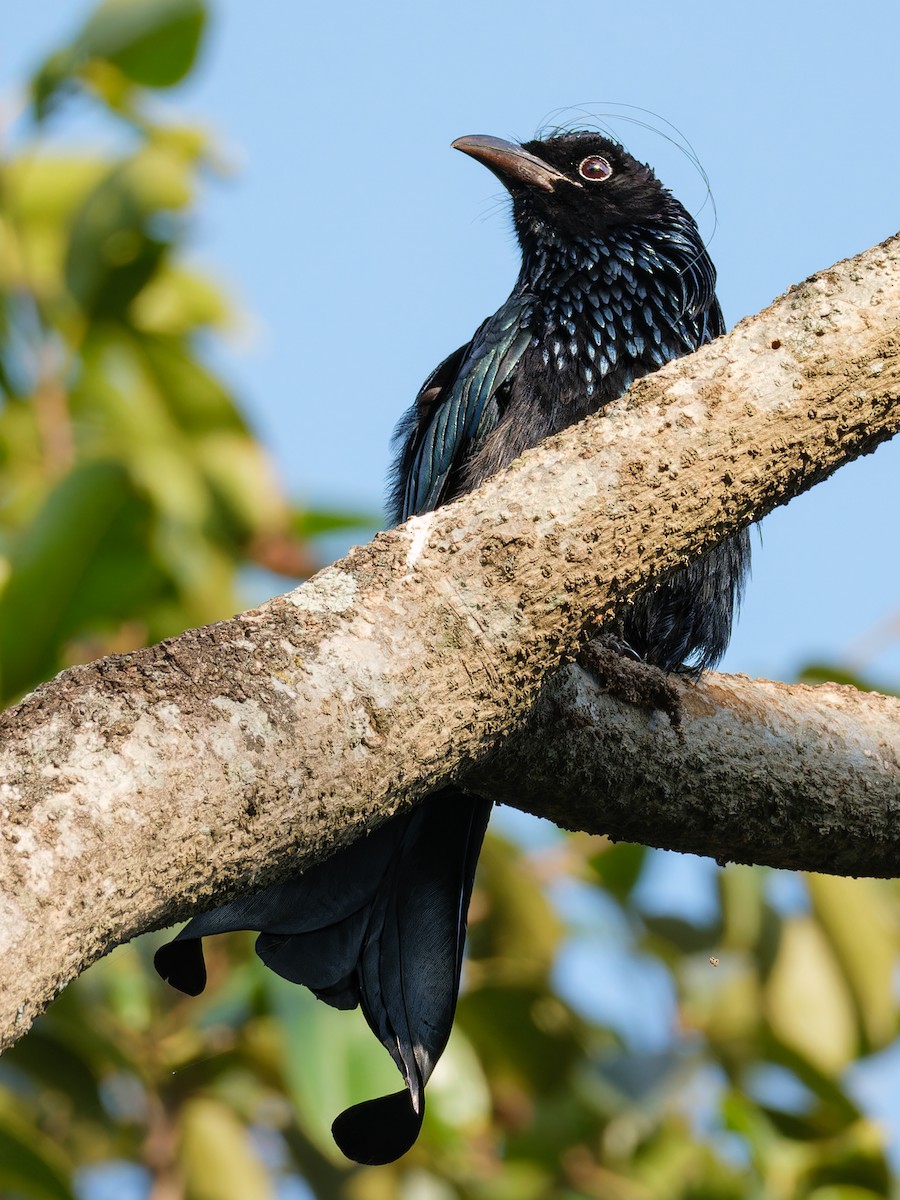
(748, 771)
(135, 787)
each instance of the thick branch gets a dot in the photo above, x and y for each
(139, 785)
(748, 770)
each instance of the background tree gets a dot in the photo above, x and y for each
(134, 497)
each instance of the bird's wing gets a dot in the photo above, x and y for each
(456, 407)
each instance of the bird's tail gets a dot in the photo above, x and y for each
(381, 924)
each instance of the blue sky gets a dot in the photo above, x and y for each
(349, 206)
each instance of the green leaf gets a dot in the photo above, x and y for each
(51, 79)
(308, 523)
(217, 1155)
(458, 1092)
(30, 1164)
(853, 1166)
(195, 400)
(844, 1192)
(48, 189)
(180, 302)
(153, 42)
(242, 478)
(111, 256)
(116, 241)
(522, 931)
(861, 929)
(808, 1003)
(64, 1066)
(524, 1035)
(741, 897)
(683, 935)
(837, 1110)
(330, 1061)
(818, 672)
(618, 867)
(746, 1118)
(82, 562)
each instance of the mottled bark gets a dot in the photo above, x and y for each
(747, 771)
(133, 788)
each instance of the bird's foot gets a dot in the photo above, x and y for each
(617, 669)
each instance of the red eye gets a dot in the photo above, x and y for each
(594, 168)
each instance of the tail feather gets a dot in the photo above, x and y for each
(381, 924)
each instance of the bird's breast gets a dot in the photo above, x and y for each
(592, 339)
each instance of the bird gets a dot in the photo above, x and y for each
(615, 281)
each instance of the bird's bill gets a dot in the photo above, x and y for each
(511, 162)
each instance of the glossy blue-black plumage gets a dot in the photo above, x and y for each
(615, 281)
(601, 299)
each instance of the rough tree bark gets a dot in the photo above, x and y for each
(135, 787)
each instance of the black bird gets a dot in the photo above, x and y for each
(615, 282)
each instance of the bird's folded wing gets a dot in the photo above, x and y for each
(458, 405)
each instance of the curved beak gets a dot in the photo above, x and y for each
(510, 162)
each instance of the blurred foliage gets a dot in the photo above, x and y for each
(131, 488)
(131, 493)
(823, 672)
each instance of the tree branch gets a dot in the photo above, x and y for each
(140, 785)
(748, 771)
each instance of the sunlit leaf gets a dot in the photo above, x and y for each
(47, 189)
(242, 477)
(521, 931)
(40, 195)
(154, 42)
(807, 1001)
(520, 1181)
(729, 1013)
(863, 934)
(217, 1155)
(676, 1167)
(330, 1060)
(195, 399)
(741, 895)
(459, 1099)
(177, 302)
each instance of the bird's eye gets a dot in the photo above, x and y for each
(594, 168)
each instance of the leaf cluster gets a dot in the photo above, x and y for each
(132, 489)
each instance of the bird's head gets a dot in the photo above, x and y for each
(576, 185)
